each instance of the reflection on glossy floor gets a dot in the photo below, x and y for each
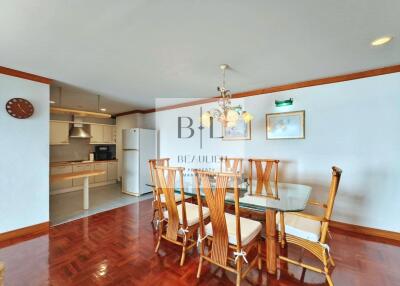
(117, 248)
(68, 206)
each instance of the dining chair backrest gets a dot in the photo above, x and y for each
(214, 186)
(264, 169)
(336, 174)
(165, 178)
(164, 162)
(233, 165)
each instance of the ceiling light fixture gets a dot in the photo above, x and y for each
(102, 109)
(225, 113)
(381, 41)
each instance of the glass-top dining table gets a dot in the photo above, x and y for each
(268, 198)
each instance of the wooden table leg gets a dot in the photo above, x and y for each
(270, 240)
(85, 193)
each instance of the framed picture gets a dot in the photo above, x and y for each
(285, 125)
(241, 131)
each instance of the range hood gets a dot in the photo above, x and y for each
(77, 130)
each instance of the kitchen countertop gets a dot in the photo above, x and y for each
(70, 163)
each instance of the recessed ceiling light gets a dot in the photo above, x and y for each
(52, 102)
(381, 41)
(103, 109)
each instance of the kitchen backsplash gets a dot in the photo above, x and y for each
(77, 149)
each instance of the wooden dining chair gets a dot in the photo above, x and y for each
(310, 232)
(266, 172)
(181, 221)
(264, 168)
(230, 237)
(231, 165)
(152, 164)
(164, 163)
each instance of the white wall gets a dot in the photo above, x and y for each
(354, 125)
(24, 163)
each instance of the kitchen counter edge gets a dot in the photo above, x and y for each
(68, 163)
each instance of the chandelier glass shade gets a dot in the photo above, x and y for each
(225, 113)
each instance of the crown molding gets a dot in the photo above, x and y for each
(290, 86)
(25, 75)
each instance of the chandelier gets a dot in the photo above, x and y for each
(225, 113)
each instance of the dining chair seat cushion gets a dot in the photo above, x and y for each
(300, 226)
(177, 198)
(249, 229)
(192, 213)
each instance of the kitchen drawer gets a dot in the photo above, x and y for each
(100, 178)
(62, 184)
(80, 168)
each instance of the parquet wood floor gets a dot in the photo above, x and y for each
(117, 248)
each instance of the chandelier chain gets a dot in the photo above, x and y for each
(223, 78)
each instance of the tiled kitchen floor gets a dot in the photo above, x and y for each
(68, 206)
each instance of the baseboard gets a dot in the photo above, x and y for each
(363, 230)
(136, 194)
(79, 188)
(32, 230)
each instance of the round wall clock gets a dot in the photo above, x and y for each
(19, 108)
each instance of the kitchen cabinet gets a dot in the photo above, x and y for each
(114, 133)
(112, 171)
(108, 134)
(60, 184)
(110, 176)
(80, 168)
(59, 132)
(102, 134)
(97, 133)
(100, 178)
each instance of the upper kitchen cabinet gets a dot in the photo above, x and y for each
(109, 134)
(97, 133)
(102, 134)
(59, 132)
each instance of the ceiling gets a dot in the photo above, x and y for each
(132, 52)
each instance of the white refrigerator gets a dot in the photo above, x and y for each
(138, 147)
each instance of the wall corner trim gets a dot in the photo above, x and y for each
(25, 75)
(272, 89)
